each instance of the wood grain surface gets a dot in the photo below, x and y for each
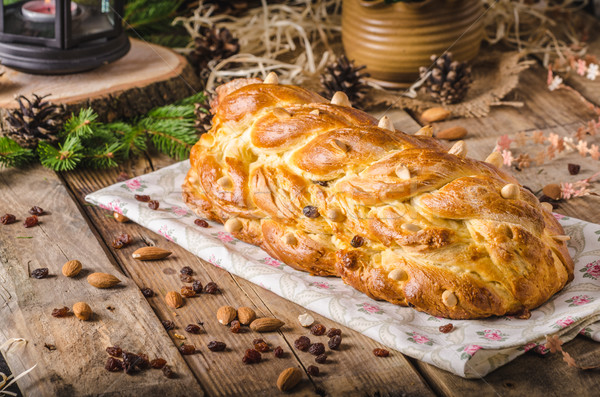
(121, 314)
(351, 371)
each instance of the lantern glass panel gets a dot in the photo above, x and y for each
(17, 23)
(95, 18)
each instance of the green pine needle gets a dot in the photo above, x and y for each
(82, 125)
(64, 158)
(13, 155)
(105, 157)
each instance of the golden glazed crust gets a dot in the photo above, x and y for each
(438, 232)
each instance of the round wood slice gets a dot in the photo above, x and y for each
(148, 76)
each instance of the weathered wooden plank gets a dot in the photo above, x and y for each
(224, 373)
(76, 367)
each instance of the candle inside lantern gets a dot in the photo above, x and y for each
(42, 10)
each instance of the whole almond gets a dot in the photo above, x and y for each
(226, 314)
(552, 190)
(102, 280)
(434, 114)
(120, 217)
(174, 299)
(82, 311)
(289, 378)
(266, 324)
(452, 133)
(246, 315)
(150, 253)
(71, 268)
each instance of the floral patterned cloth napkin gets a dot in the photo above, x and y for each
(473, 348)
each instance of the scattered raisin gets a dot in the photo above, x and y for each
(169, 325)
(147, 292)
(142, 198)
(153, 204)
(357, 241)
(114, 351)
(321, 358)
(7, 219)
(31, 221)
(302, 343)
(333, 332)
(381, 352)
(193, 329)
(158, 363)
(215, 346)
(574, 168)
(334, 342)
(131, 362)
(168, 372)
(121, 241)
(312, 370)
(278, 352)
(197, 287)
(262, 347)
(62, 312)
(316, 349)
(35, 210)
(40, 273)
(235, 327)
(186, 270)
(187, 349)
(310, 212)
(255, 341)
(113, 365)
(201, 223)
(318, 329)
(186, 278)
(251, 357)
(144, 361)
(444, 329)
(187, 292)
(122, 177)
(321, 183)
(212, 288)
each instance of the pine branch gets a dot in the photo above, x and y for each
(132, 140)
(13, 155)
(105, 157)
(153, 15)
(174, 137)
(82, 125)
(64, 158)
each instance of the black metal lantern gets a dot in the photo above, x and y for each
(61, 36)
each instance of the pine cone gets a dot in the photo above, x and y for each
(343, 76)
(203, 115)
(34, 121)
(449, 80)
(213, 45)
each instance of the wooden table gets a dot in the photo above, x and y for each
(74, 230)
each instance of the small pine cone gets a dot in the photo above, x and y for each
(34, 120)
(213, 45)
(449, 80)
(204, 113)
(343, 76)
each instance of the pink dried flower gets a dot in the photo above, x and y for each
(581, 67)
(538, 137)
(507, 157)
(582, 148)
(594, 152)
(503, 143)
(557, 142)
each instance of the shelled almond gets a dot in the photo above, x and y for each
(266, 324)
(150, 253)
(174, 299)
(226, 314)
(71, 268)
(102, 280)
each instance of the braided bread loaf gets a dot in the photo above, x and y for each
(324, 188)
